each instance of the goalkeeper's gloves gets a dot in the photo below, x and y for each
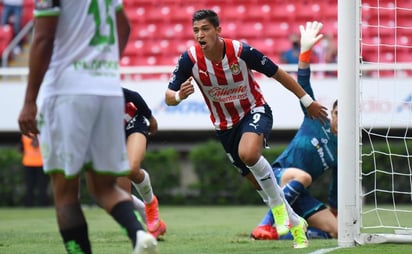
(309, 36)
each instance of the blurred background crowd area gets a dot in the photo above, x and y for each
(161, 29)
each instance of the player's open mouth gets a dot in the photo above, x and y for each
(202, 43)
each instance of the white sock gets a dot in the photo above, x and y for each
(145, 188)
(263, 195)
(139, 206)
(267, 181)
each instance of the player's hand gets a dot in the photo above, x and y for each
(186, 89)
(152, 126)
(309, 35)
(27, 119)
(317, 110)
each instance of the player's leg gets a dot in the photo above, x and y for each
(64, 140)
(139, 206)
(255, 129)
(136, 149)
(110, 160)
(294, 181)
(320, 219)
(70, 218)
(325, 221)
(114, 200)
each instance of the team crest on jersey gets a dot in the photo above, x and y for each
(235, 69)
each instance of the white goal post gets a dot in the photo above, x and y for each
(351, 192)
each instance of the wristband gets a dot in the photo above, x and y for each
(177, 97)
(306, 100)
(305, 56)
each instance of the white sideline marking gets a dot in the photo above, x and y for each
(323, 251)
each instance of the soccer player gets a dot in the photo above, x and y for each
(222, 69)
(311, 152)
(139, 124)
(74, 76)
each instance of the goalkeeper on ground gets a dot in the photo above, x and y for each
(312, 152)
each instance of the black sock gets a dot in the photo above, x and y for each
(76, 240)
(123, 213)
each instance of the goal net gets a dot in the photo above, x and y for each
(375, 116)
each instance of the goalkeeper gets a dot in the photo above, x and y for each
(311, 152)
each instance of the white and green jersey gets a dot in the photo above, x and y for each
(85, 56)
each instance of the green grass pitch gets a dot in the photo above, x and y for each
(191, 230)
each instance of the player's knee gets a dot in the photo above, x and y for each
(305, 179)
(137, 174)
(249, 158)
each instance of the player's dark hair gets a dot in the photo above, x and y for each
(209, 15)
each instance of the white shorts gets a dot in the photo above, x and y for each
(83, 130)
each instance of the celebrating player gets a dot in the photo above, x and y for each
(312, 151)
(222, 69)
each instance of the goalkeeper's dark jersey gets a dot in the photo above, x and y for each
(314, 147)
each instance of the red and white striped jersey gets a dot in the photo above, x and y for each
(229, 88)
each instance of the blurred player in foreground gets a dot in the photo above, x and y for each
(74, 70)
(222, 69)
(312, 151)
(139, 124)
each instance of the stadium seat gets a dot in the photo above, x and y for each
(229, 29)
(142, 31)
(306, 11)
(126, 61)
(283, 12)
(137, 3)
(331, 27)
(404, 26)
(404, 4)
(249, 30)
(276, 29)
(136, 15)
(258, 12)
(6, 35)
(233, 13)
(27, 14)
(329, 9)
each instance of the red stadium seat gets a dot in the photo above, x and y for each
(259, 12)
(276, 29)
(27, 15)
(229, 29)
(249, 30)
(404, 4)
(233, 13)
(136, 15)
(6, 35)
(145, 30)
(283, 12)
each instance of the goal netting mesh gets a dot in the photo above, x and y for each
(385, 119)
